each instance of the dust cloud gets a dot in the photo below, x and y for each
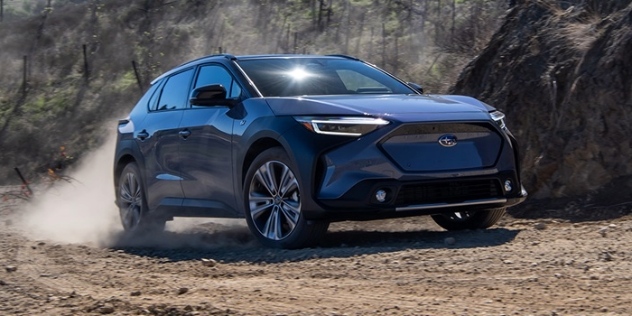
(80, 210)
(83, 211)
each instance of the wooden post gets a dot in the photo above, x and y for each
(437, 24)
(287, 37)
(86, 71)
(321, 8)
(330, 11)
(347, 14)
(24, 75)
(356, 50)
(314, 21)
(24, 182)
(396, 53)
(370, 51)
(140, 85)
(453, 26)
(383, 45)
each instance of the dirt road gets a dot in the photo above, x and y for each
(394, 267)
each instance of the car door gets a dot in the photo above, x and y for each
(207, 168)
(159, 141)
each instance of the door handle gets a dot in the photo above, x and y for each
(184, 133)
(142, 135)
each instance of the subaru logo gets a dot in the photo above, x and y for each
(447, 140)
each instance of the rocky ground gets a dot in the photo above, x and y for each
(393, 267)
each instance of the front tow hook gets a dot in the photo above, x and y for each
(142, 135)
(184, 134)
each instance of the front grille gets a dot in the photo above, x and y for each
(442, 128)
(416, 147)
(447, 192)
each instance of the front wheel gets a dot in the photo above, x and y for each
(469, 219)
(272, 198)
(133, 204)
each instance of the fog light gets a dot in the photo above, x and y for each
(508, 186)
(380, 196)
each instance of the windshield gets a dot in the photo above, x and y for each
(284, 77)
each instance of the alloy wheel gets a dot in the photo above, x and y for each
(274, 200)
(130, 200)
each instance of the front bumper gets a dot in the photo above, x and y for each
(351, 175)
(418, 198)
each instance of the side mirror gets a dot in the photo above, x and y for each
(416, 87)
(210, 95)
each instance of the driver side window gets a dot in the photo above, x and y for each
(215, 74)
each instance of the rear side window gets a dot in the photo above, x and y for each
(175, 91)
(149, 96)
(155, 94)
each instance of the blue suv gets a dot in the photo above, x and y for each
(294, 142)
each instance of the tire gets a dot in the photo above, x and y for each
(272, 202)
(469, 219)
(132, 203)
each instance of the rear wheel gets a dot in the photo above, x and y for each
(461, 220)
(133, 204)
(272, 198)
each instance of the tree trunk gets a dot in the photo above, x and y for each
(438, 23)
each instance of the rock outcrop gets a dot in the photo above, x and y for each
(562, 72)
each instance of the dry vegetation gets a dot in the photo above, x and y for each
(51, 96)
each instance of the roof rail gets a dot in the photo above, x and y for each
(227, 56)
(343, 56)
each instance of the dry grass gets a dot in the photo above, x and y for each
(61, 99)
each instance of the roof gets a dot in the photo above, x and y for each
(209, 58)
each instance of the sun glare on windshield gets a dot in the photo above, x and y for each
(299, 74)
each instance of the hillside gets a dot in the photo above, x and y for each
(67, 72)
(557, 68)
(561, 72)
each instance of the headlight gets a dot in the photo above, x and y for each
(344, 126)
(499, 118)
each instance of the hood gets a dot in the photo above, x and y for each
(399, 107)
